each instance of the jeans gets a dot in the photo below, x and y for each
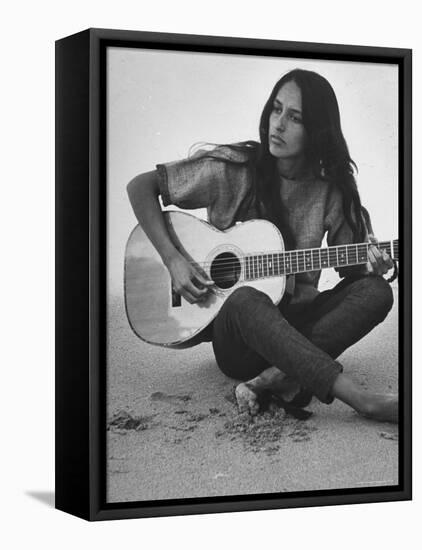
(251, 334)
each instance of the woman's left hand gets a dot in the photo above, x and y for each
(379, 262)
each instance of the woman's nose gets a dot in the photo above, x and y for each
(281, 123)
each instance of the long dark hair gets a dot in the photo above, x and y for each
(326, 153)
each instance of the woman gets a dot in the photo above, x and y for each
(300, 177)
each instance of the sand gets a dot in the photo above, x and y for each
(174, 430)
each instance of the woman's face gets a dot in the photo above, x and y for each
(286, 136)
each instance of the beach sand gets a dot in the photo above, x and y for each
(174, 430)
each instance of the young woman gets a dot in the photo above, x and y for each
(299, 176)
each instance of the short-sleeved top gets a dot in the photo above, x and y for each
(314, 207)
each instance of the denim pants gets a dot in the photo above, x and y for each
(251, 334)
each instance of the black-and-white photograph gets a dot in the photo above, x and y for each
(252, 262)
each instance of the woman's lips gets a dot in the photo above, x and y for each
(277, 140)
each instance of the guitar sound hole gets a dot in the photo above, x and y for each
(225, 270)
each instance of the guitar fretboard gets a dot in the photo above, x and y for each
(313, 259)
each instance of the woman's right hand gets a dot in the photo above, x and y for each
(188, 280)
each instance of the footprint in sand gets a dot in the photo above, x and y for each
(122, 421)
(161, 396)
(301, 432)
(387, 435)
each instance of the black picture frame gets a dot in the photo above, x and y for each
(81, 270)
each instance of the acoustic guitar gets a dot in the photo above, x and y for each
(250, 253)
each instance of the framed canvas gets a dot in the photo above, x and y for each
(233, 316)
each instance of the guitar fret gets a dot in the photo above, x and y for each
(287, 263)
(316, 259)
(300, 261)
(324, 257)
(352, 254)
(396, 249)
(308, 260)
(332, 257)
(341, 255)
(293, 256)
(278, 264)
(362, 253)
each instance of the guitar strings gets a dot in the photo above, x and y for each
(237, 260)
(308, 251)
(257, 270)
(384, 244)
(229, 267)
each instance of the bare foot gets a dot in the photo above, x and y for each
(275, 382)
(247, 400)
(377, 406)
(381, 407)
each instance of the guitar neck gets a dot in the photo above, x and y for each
(291, 262)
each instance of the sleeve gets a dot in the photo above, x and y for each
(339, 231)
(200, 181)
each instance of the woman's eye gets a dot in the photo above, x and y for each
(296, 118)
(277, 110)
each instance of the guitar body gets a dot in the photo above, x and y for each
(161, 317)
